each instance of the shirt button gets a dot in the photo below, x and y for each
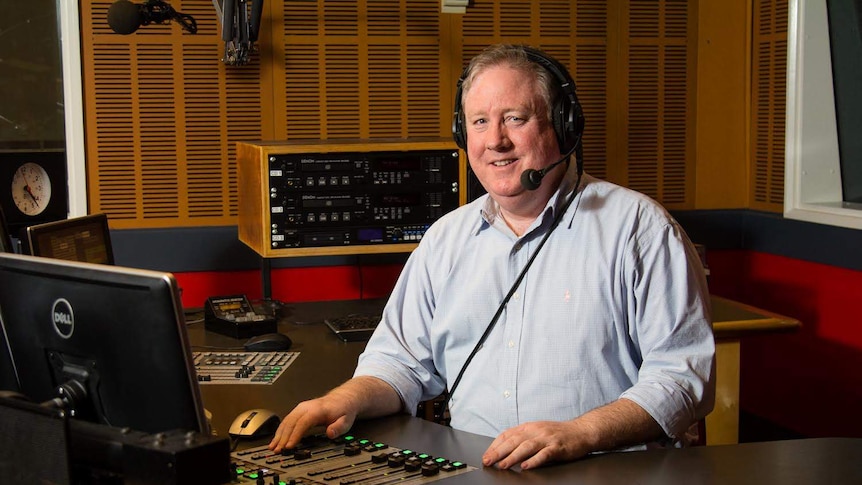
(511, 344)
(506, 394)
(516, 296)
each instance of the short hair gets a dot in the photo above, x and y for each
(516, 57)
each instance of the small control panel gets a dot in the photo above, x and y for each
(319, 460)
(235, 317)
(241, 367)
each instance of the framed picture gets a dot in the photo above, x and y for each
(33, 187)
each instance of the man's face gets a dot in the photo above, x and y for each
(508, 132)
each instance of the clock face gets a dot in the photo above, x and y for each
(31, 188)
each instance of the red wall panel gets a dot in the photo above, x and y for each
(809, 381)
(322, 283)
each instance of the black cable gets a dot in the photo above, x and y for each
(186, 21)
(523, 273)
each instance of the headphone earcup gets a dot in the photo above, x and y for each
(568, 123)
(562, 124)
(459, 134)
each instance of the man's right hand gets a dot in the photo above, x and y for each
(363, 396)
(332, 411)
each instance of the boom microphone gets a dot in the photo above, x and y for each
(531, 179)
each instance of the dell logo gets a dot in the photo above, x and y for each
(63, 318)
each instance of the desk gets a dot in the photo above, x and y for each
(827, 460)
(325, 361)
(731, 321)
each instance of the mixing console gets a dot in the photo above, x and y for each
(241, 367)
(346, 460)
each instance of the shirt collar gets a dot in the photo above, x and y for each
(490, 209)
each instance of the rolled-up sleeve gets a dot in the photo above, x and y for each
(399, 351)
(671, 323)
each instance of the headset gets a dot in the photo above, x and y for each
(566, 115)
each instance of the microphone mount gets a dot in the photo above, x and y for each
(240, 20)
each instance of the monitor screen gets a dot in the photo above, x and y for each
(113, 338)
(85, 238)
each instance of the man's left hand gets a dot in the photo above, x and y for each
(535, 444)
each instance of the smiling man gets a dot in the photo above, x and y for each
(563, 314)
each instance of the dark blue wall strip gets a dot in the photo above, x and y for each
(771, 233)
(219, 249)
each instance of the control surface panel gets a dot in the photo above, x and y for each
(227, 367)
(319, 460)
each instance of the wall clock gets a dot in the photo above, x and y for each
(33, 187)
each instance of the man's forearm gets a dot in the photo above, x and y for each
(369, 396)
(618, 424)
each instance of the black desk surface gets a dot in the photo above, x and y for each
(813, 461)
(325, 361)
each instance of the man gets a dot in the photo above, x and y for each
(604, 342)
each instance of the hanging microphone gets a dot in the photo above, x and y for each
(531, 179)
(124, 17)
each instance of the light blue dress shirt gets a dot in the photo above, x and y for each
(615, 305)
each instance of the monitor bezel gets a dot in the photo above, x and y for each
(36, 232)
(32, 339)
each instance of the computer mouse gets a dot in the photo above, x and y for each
(254, 423)
(268, 342)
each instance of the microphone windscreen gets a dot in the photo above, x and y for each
(531, 179)
(124, 17)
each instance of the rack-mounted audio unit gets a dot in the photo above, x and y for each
(301, 198)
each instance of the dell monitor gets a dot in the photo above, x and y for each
(86, 238)
(111, 338)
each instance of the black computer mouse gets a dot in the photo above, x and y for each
(268, 342)
(254, 423)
